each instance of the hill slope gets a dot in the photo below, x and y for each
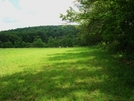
(41, 36)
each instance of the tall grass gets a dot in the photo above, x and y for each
(63, 74)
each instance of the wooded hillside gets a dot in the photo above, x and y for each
(41, 36)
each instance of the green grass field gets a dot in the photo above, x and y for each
(64, 74)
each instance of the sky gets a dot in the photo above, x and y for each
(28, 13)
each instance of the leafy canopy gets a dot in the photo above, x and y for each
(110, 22)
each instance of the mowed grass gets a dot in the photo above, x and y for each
(64, 74)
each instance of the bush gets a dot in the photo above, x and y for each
(7, 45)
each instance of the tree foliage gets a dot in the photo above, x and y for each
(110, 22)
(42, 36)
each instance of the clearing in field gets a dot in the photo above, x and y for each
(63, 74)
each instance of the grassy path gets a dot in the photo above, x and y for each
(63, 74)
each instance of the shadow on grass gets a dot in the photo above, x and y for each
(89, 74)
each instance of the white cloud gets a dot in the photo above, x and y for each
(32, 13)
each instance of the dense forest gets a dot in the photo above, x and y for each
(41, 36)
(106, 22)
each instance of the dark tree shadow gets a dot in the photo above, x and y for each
(63, 78)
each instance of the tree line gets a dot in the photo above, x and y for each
(106, 22)
(41, 36)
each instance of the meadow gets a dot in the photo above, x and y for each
(64, 74)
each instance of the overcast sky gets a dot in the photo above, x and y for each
(25, 13)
